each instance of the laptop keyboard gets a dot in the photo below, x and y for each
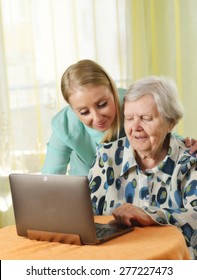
(103, 230)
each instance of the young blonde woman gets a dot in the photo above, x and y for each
(93, 115)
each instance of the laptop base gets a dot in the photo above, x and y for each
(65, 238)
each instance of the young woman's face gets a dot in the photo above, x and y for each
(94, 106)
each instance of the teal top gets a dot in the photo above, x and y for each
(72, 146)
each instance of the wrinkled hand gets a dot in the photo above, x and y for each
(190, 142)
(128, 213)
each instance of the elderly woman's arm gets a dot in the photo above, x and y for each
(183, 217)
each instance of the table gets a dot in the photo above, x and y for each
(144, 243)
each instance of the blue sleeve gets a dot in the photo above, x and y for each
(57, 156)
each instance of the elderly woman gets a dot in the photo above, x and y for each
(148, 177)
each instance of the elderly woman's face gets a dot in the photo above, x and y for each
(144, 127)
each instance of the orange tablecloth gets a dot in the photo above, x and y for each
(148, 243)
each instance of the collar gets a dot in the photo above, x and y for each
(165, 169)
(95, 134)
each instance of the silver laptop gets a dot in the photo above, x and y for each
(57, 204)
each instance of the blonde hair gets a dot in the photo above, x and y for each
(165, 93)
(88, 73)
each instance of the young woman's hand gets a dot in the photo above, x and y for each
(192, 144)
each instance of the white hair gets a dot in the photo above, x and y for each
(165, 93)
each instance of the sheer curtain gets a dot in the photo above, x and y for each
(162, 40)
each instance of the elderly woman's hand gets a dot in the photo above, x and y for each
(190, 142)
(128, 214)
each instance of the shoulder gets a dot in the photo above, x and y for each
(65, 122)
(121, 92)
(184, 157)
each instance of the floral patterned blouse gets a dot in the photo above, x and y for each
(168, 192)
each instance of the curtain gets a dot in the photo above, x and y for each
(162, 40)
